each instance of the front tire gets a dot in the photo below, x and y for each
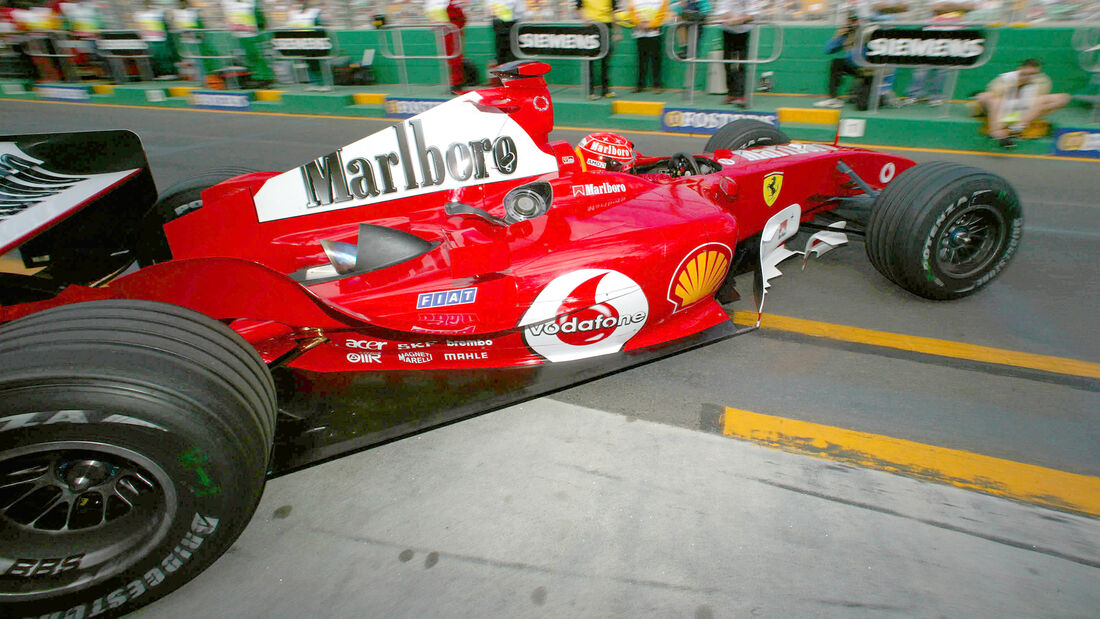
(134, 444)
(943, 230)
(743, 133)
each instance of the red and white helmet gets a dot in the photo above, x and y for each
(605, 151)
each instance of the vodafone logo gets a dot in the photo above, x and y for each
(886, 174)
(584, 314)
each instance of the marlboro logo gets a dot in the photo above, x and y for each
(603, 189)
(332, 180)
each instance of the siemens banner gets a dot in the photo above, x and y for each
(941, 46)
(302, 43)
(559, 40)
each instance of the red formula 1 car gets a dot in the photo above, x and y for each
(160, 358)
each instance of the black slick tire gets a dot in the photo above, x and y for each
(943, 230)
(134, 444)
(743, 133)
(186, 195)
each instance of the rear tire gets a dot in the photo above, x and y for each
(134, 444)
(186, 195)
(743, 133)
(943, 230)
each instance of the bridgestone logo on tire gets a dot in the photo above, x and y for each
(202, 527)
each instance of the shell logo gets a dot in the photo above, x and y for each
(699, 275)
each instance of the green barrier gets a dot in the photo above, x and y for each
(802, 68)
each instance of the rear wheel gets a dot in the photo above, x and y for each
(134, 443)
(943, 230)
(186, 195)
(743, 133)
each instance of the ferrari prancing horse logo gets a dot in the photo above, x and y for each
(773, 182)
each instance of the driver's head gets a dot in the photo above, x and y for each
(605, 151)
(1028, 69)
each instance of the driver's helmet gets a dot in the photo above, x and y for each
(605, 151)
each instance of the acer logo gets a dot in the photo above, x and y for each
(330, 180)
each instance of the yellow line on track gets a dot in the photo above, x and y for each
(1005, 478)
(925, 345)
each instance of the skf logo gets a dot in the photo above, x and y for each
(700, 273)
(773, 183)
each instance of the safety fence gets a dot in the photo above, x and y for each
(1086, 41)
(690, 32)
(412, 54)
(448, 46)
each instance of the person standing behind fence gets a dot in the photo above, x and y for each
(602, 11)
(181, 19)
(152, 23)
(735, 16)
(307, 15)
(246, 19)
(648, 17)
(82, 19)
(449, 11)
(693, 13)
(842, 42)
(184, 17)
(40, 19)
(505, 15)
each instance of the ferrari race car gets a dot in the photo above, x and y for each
(160, 357)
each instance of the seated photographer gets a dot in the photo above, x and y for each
(1013, 100)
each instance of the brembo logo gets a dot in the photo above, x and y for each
(330, 180)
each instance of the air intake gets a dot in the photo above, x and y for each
(378, 247)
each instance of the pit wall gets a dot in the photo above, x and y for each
(801, 69)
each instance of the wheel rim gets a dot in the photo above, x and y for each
(968, 243)
(75, 513)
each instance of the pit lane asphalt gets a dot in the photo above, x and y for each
(648, 549)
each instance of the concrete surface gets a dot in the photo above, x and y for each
(554, 510)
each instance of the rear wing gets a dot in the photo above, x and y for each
(72, 205)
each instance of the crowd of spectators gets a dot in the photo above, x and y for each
(1014, 99)
(353, 14)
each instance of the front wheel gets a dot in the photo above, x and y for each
(943, 230)
(743, 133)
(134, 444)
